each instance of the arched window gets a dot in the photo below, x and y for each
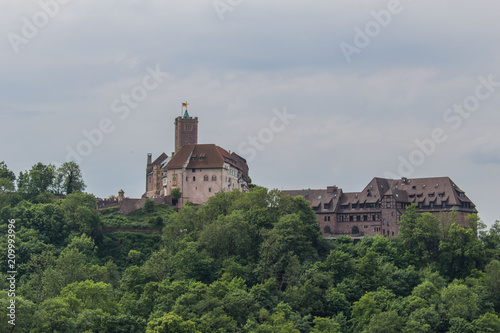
(214, 178)
(205, 178)
(355, 230)
(328, 230)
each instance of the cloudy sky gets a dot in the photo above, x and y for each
(363, 88)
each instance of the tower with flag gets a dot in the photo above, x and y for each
(186, 128)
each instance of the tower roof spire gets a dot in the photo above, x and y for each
(185, 108)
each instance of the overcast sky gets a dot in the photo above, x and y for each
(361, 82)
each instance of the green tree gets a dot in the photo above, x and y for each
(385, 322)
(289, 236)
(460, 252)
(39, 179)
(176, 195)
(7, 179)
(420, 234)
(371, 304)
(149, 206)
(325, 325)
(459, 301)
(91, 295)
(69, 178)
(171, 323)
(487, 323)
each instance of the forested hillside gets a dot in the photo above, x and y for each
(242, 262)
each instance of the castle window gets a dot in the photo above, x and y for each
(326, 206)
(194, 179)
(388, 224)
(444, 204)
(432, 204)
(358, 218)
(328, 230)
(355, 230)
(420, 205)
(369, 195)
(388, 204)
(202, 158)
(393, 233)
(373, 217)
(194, 170)
(188, 127)
(344, 206)
(351, 218)
(341, 218)
(214, 178)
(354, 206)
(205, 178)
(361, 205)
(365, 217)
(209, 189)
(174, 178)
(328, 218)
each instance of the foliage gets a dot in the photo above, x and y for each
(241, 262)
(69, 179)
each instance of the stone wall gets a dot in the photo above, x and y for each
(130, 205)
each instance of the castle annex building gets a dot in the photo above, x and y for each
(198, 170)
(378, 208)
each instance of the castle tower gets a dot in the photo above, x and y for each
(186, 129)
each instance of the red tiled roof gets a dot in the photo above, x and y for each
(206, 156)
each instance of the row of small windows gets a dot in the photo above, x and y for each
(205, 178)
(352, 218)
(369, 205)
(355, 230)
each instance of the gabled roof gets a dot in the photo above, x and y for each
(206, 156)
(436, 190)
(158, 162)
(317, 198)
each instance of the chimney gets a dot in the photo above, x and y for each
(150, 156)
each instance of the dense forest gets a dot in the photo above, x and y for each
(241, 262)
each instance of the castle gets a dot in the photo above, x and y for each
(201, 170)
(378, 208)
(198, 170)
